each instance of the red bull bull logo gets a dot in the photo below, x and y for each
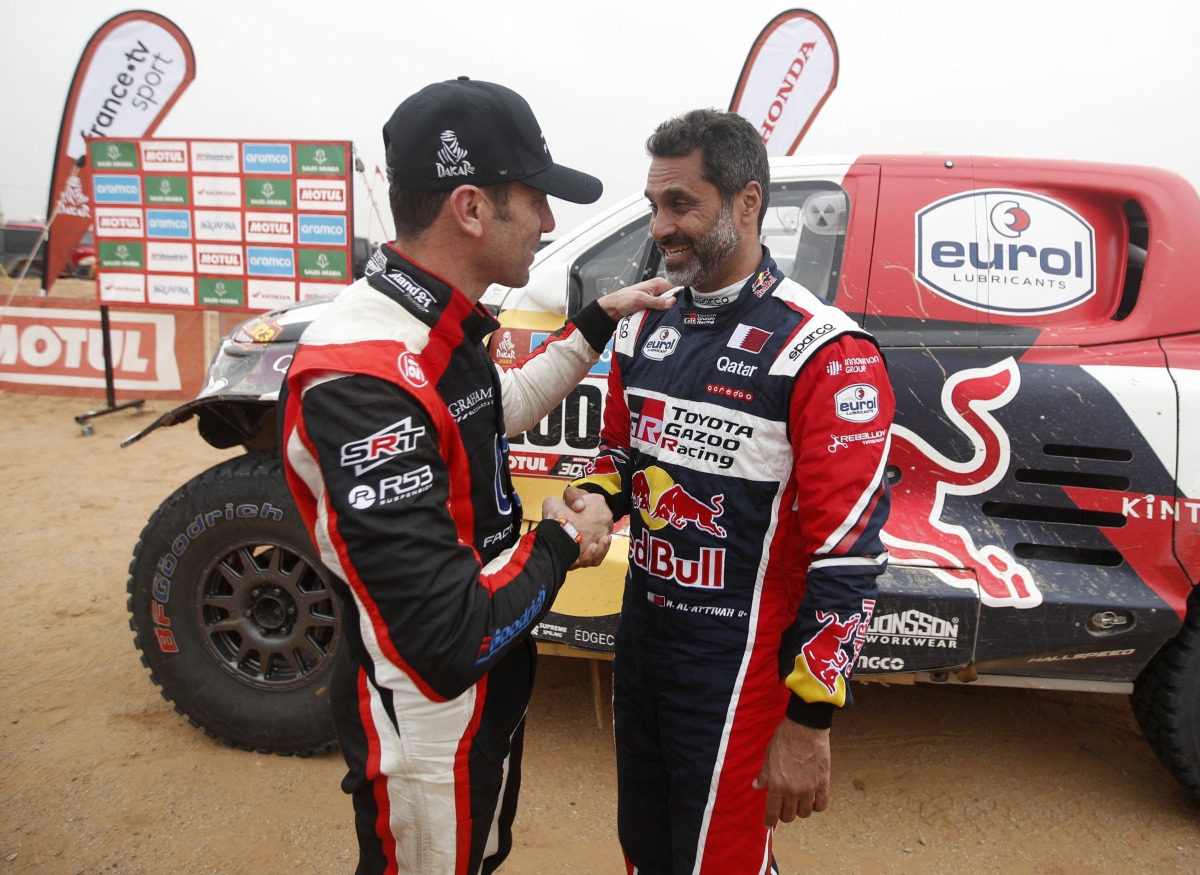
(663, 502)
(824, 655)
(916, 534)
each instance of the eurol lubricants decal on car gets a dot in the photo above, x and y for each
(1007, 252)
(916, 534)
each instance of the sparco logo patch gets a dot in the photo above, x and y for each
(1005, 251)
(387, 443)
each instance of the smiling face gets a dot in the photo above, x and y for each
(706, 244)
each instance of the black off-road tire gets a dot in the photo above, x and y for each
(1166, 701)
(232, 610)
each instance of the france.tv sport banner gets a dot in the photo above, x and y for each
(234, 224)
(790, 72)
(132, 71)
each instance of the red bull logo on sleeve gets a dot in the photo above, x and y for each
(916, 534)
(825, 657)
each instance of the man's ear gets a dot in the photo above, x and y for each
(749, 202)
(466, 206)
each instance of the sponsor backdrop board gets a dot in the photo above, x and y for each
(247, 225)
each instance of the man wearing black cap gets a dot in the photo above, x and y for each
(394, 424)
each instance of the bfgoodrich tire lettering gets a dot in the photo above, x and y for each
(233, 613)
(1166, 700)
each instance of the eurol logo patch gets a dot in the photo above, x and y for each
(1005, 251)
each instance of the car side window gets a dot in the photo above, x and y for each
(805, 229)
(619, 261)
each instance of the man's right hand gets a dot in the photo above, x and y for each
(648, 295)
(590, 516)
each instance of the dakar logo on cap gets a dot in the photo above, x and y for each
(453, 157)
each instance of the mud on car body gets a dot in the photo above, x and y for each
(1037, 324)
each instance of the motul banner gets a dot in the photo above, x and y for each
(133, 70)
(789, 74)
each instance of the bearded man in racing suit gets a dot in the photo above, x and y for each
(394, 424)
(745, 434)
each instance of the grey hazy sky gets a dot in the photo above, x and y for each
(1099, 80)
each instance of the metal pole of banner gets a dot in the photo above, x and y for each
(83, 419)
(45, 235)
(362, 170)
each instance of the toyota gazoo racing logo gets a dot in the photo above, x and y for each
(387, 443)
(1006, 252)
(662, 502)
(701, 435)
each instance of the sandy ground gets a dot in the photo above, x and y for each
(99, 774)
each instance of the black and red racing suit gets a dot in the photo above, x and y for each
(394, 424)
(748, 444)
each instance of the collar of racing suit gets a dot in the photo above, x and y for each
(426, 295)
(765, 277)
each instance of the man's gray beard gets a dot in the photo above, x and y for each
(709, 251)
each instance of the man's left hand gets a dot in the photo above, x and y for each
(648, 295)
(795, 773)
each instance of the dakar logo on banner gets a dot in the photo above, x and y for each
(51, 347)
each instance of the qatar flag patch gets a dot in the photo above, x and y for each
(749, 338)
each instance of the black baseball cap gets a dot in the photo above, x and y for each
(464, 131)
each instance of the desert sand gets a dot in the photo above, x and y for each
(99, 774)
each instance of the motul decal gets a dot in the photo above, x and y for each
(916, 534)
(1004, 251)
(47, 347)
